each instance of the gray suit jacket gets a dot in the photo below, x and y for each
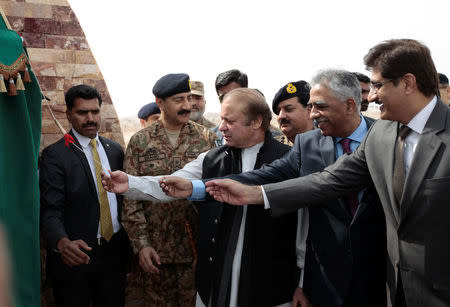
(418, 230)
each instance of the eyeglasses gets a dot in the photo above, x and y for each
(375, 86)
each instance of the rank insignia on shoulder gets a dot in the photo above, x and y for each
(291, 89)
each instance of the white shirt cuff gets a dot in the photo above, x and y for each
(266, 200)
(132, 182)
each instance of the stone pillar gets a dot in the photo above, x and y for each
(61, 58)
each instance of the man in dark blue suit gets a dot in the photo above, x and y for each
(346, 245)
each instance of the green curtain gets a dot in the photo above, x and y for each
(20, 131)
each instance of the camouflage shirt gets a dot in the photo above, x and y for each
(204, 122)
(163, 225)
(283, 140)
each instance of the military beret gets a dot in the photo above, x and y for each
(172, 84)
(443, 79)
(149, 109)
(298, 89)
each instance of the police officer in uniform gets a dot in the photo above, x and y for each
(290, 106)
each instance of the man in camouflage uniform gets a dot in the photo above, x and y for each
(163, 234)
(198, 105)
(290, 106)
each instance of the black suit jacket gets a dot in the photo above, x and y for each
(268, 258)
(345, 255)
(69, 201)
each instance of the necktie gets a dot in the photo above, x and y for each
(352, 199)
(399, 167)
(106, 228)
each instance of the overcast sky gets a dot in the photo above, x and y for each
(135, 42)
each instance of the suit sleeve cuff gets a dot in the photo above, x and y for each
(302, 276)
(198, 191)
(266, 200)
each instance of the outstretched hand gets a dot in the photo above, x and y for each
(233, 192)
(117, 182)
(176, 187)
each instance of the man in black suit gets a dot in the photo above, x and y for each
(88, 248)
(346, 252)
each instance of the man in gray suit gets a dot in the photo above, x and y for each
(407, 155)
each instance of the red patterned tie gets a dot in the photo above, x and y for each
(352, 199)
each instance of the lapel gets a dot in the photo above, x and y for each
(362, 205)
(366, 199)
(84, 162)
(108, 152)
(387, 140)
(427, 147)
(327, 150)
(326, 144)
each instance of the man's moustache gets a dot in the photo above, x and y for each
(90, 124)
(284, 121)
(184, 112)
(318, 121)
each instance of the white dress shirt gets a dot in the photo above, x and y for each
(417, 124)
(112, 200)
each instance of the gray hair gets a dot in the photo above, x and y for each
(343, 84)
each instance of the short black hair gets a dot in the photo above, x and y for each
(443, 79)
(362, 77)
(229, 76)
(81, 91)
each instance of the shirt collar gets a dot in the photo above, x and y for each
(418, 122)
(359, 134)
(254, 148)
(84, 140)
